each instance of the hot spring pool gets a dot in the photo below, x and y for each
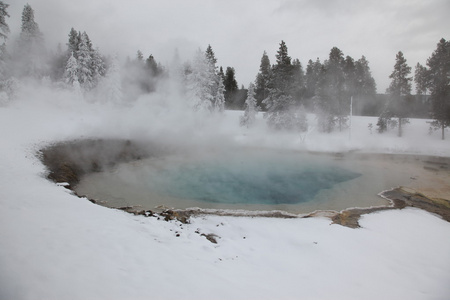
(249, 179)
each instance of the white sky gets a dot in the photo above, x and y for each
(240, 30)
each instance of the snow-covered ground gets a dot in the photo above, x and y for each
(57, 246)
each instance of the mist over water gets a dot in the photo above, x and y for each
(211, 167)
(244, 178)
(250, 178)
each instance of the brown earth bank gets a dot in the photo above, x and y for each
(400, 198)
(68, 161)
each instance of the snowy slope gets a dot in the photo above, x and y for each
(57, 246)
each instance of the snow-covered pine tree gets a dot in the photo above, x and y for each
(73, 43)
(439, 85)
(85, 73)
(211, 57)
(262, 79)
(231, 86)
(280, 85)
(332, 103)
(139, 56)
(4, 28)
(421, 79)
(199, 83)
(71, 72)
(152, 66)
(97, 65)
(30, 33)
(4, 31)
(399, 103)
(314, 71)
(212, 60)
(30, 49)
(298, 82)
(219, 101)
(365, 84)
(251, 108)
(71, 76)
(221, 73)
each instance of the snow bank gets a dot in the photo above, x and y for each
(57, 246)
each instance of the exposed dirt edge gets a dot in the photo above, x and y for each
(68, 161)
(400, 198)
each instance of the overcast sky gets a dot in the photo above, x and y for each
(240, 30)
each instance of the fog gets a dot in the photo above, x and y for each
(240, 31)
(170, 96)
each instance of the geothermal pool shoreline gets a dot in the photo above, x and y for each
(68, 162)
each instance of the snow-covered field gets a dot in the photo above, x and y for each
(57, 246)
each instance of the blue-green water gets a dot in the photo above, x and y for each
(250, 179)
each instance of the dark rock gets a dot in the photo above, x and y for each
(181, 216)
(210, 237)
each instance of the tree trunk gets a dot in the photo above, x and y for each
(400, 127)
(443, 130)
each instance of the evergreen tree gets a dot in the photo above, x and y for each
(439, 85)
(332, 103)
(283, 59)
(231, 86)
(281, 85)
(71, 72)
(279, 100)
(4, 28)
(399, 97)
(139, 56)
(422, 105)
(74, 41)
(349, 69)
(221, 73)
(30, 29)
(152, 66)
(71, 76)
(365, 88)
(299, 88)
(98, 65)
(212, 60)
(4, 31)
(421, 79)
(313, 74)
(200, 81)
(84, 59)
(365, 84)
(262, 80)
(251, 108)
(152, 71)
(30, 54)
(219, 101)
(91, 64)
(210, 56)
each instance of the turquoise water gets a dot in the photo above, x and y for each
(250, 179)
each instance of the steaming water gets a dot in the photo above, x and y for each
(248, 179)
